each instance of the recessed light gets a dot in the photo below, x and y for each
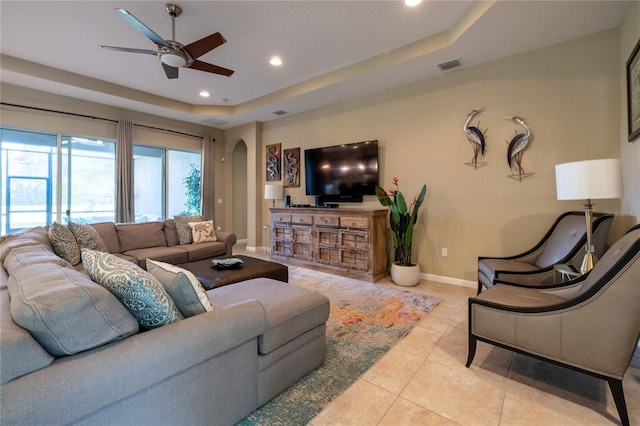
(412, 2)
(204, 94)
(275, 61)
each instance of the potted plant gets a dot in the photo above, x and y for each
(402, 220)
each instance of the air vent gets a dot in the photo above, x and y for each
(211, 121)
(454, 63)
(279, 112)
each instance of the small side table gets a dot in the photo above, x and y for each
(567, 272)
(266, 238)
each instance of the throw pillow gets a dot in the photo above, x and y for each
(182, 286)
(183, 229)
(87, 237)
(134, 287)
(203, 232)
(64, 243)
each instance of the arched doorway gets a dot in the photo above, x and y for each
(240, 190)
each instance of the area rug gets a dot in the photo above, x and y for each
(365, 321)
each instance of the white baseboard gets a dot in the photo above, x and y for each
(262, 249)
(449, 280)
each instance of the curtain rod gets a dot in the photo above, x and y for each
(101, 118)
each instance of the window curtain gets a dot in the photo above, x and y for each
(208, 178)
(124, 173)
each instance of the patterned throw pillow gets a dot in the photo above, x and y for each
(183, 229)
(182, 286)
(203, 232)
(64, 243)
(135, 288)
(87, 237)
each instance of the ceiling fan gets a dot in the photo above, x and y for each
(174, 55)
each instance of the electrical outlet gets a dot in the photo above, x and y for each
(444, 251)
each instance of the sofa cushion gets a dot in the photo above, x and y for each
(9, 244)
(183, 287)
(134, 287)
(107, 231)
(290, 310)
(134, 236)
(173, 254)
(203, 232)
(183, 229)
(31, 253)
(170, 232)
(64, 243)
(87, 237)
(62, 308)
(19, 351)
(203, 250)
(38, 233)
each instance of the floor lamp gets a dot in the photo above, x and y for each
(589, 180)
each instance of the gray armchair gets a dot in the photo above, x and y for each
(563, 243)
(590, 324)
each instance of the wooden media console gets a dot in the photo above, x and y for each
(347, 241)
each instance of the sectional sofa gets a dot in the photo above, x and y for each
(73, 354)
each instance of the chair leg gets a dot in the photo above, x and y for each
(618, 396)
(479, 288)
(472, 349)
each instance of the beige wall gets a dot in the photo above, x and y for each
(251, 135)
(569, 93)
(58, 123)
(630, 152)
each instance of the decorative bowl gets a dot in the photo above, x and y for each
(231, 263)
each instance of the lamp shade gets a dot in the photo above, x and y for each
(592, 179)
(273, 192)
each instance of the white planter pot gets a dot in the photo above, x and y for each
(405, 276)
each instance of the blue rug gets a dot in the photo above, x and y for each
(365, 321)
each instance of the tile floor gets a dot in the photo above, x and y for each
(423, 380)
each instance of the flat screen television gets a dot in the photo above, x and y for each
(342, 173)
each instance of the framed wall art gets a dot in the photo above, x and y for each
(273, 162)
(291, 167)
(633, 93)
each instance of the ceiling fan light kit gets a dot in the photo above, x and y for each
(174, 55)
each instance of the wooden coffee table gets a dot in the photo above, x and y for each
(211, 277)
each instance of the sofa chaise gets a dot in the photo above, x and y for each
(81, 358)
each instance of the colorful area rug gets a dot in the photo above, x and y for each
(365, 321)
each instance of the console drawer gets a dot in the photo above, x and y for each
(354, 222)
(325, 220)
(280, 218)
(302, 219)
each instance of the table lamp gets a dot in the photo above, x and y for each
(273, 192)
(589, 180)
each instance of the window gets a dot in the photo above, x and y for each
(48, 177)
(88, 180)
(166, 182)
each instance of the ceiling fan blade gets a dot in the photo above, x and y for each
(129, 49)
(143, 28)
(204, 45)
(203, 66)
(171, 72)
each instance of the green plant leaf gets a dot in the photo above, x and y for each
(402, 205)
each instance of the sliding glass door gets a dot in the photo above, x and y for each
(47, 177)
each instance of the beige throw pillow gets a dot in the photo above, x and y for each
(203, 232)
